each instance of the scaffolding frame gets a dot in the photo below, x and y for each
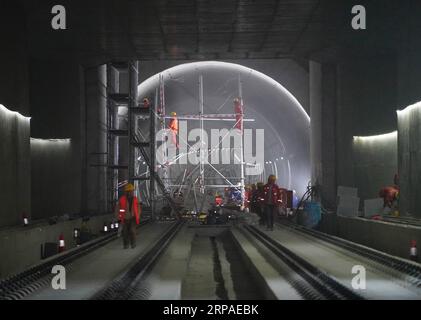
(201, 117)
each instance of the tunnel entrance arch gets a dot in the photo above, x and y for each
(274, 109)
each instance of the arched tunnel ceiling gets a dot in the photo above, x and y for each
(274, 109)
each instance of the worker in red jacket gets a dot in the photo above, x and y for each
(129, 211)
(272, 199)
(389, 195)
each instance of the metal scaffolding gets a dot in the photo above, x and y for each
(143, 121)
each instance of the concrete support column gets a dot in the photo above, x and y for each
(409, 159)
(323, 129)
(96, 139)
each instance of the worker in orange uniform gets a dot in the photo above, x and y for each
(173, 126)
(272, 200)
(129, 211)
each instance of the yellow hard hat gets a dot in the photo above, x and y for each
(173, 113)
(272, 177)
(129, 187)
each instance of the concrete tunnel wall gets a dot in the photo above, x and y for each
(15, 167)
(51, 178)
(375, 163)
(58, 112)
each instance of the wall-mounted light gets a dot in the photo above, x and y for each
(378, 137)
(76, 233)
(66, 141)
(13, 113)
(409, 108)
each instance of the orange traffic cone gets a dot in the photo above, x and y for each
(413, 254)
(61, 244)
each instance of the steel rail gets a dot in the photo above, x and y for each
(17, 286)
(128, 284)
(411, 270)
(316, 280)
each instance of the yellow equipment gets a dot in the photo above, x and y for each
(202, 217)
(129, 187)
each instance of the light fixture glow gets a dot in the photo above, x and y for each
(409, 108)
(14, 113)
(379, 137)
(57, 142)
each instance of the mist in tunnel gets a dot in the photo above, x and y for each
(267, 103)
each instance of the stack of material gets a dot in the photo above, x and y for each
(348, 201)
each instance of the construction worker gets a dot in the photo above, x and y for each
(390, 194)
(272, 200)
(173, 126)
(129, 211)
(218, 200)
(145, 103)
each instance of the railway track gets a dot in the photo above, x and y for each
(20, 285)
(410, 270)
(129, 285)
(316, 284)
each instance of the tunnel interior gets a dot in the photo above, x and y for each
(328, 101)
